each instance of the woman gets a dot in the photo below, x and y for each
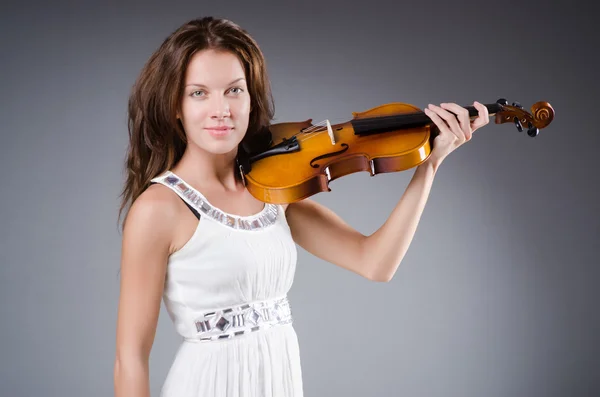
(223, 261)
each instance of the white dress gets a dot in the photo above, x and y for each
(226, 293)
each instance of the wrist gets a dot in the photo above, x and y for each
(430, 165)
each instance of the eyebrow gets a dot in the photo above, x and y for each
(202, 85)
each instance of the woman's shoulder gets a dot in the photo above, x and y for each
(158, 199)
(155, 210)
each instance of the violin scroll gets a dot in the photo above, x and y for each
(540, 117)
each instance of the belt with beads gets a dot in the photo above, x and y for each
(243, 319)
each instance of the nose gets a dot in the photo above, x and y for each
(221, 108)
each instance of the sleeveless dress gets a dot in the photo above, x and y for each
(226, 293)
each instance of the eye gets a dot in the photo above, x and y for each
(197, 93)
(236, 90)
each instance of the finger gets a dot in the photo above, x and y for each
(463, 117)
(450, 118)
(438, 121)
(483, 117)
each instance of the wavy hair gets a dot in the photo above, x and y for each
(156, 137)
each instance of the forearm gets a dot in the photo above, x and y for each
(385, 248)
(131, 378)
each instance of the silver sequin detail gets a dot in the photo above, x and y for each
(243, 319)
(267, 217)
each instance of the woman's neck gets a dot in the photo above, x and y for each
(200, 167)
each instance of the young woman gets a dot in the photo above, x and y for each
(222, 260)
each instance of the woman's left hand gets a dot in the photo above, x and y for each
(455, 127)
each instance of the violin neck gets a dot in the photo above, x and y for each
(381, 124)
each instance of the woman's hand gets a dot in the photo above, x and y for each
(455, 128)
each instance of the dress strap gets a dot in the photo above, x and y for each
(265, 218)
(195, 211)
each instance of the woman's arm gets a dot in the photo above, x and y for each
(146, 244)
(377, 256)
(324, 234)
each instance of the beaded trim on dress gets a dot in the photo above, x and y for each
(265, 218)
(243, 319)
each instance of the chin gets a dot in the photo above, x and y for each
(219, 147)
(216, 145)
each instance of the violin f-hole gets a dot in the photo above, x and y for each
(327, 155)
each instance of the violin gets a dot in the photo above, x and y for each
(302, 158)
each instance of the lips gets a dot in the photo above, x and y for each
(219, 128)
(219, 131)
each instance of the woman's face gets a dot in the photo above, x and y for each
(215, 108)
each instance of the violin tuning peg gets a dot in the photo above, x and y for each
(532, 131)
(502, 101)
(518, 105)
(518, 124)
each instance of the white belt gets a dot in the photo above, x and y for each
(243, 319)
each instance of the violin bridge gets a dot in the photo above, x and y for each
(330, 132)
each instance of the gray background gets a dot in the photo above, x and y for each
(496, 296)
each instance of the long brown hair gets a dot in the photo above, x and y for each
(156, 137)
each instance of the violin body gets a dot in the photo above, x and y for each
(304, 158)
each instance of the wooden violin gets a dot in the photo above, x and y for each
(301, 158)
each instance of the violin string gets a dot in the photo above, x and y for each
(313, 133)
(320, 127)
(315, 126)
(312, 130)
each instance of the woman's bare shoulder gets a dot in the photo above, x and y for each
(155, 212)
